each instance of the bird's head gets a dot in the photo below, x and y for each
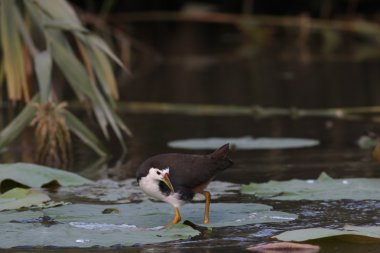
(161, 175)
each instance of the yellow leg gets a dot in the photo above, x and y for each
(177, 217)
(207, 206)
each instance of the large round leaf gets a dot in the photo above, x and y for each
(19, 197)
(32, 175)
(85, 225)
(244, 143)
(324, 188)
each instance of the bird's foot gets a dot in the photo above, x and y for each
(176, 219)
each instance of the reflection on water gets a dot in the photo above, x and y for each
(235, 73)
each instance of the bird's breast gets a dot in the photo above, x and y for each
(151, 188)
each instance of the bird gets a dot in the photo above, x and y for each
(175, 178)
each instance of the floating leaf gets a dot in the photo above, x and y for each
(324, 188)
(350, 233)
(84, 225)
(32, 175)
(19, 197)
(128, 190)
(244, 143)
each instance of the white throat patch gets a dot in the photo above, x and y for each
(150, 185)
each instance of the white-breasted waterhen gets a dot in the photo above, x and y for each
(176, 178)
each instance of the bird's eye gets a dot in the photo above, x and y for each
(158, 172)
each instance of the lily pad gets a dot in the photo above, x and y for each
(324, 188)
(84, 225)
(127, 191)
(32, 175)
(19, 197)
(351, 233)
(246, 142)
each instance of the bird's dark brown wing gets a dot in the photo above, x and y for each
(190, 171)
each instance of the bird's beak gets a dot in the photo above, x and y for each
(166, 180)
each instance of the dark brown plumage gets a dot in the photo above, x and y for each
(187, 174)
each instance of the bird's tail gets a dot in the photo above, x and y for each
(221, 156)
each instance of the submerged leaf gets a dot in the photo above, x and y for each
(32, 175)
(324, 188)
(246, 142)
(19, 197)
(350, 233)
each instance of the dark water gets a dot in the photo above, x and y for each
(218, 65)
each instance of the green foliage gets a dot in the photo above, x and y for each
(86, 225)
(19, 197)
(323, 188)
(246, 142)
(37, 34)
(31, 175)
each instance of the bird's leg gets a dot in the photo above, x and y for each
(176, 219)
(207, 206)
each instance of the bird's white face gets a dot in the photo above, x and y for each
(161, 175)
(158, 174)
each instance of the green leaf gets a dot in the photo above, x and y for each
(94, 40)
(349, 233)
(66, 25)
(84, 225)
(59, 10)
(19, 197)
(14, 129)
(104, 72)
(84, 133)
(127, 190)
(324, 188)
(79, 80)
(43, 68)
(12, 52)
(33, 175)
(246, 142)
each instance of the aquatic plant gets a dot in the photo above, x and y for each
(38, 38)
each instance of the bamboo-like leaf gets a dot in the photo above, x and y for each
(13, 129)
(43, 68)
(85, 134)
(71, 67)
(93, 40)
(78, 78)
(13, 53)
(41, 17)
(97, 110)
(122, 125)
(104, 73)
(59, 10)
(102, 120)
(65, 25)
